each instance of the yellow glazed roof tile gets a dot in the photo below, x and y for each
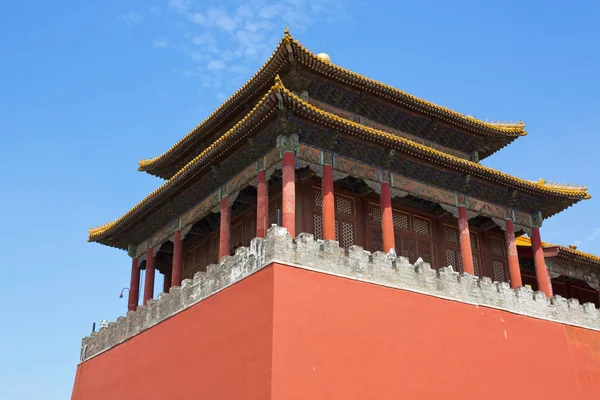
(288, 48)
(309, 111)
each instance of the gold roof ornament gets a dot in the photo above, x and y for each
(324, 57)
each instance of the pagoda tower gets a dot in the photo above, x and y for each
(322, 235)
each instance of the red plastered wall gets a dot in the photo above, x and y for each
(221, 348)
(287, 333)
(336, 338)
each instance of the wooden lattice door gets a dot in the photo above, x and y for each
(452, 249)
(345, 217)
(413, 234)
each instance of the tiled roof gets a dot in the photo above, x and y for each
(290, 48)
(566, 252)
(269, 103)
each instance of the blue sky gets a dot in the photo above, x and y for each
(89, 88)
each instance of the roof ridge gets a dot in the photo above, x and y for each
(416, 99)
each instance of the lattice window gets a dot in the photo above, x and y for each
(345, 234)
(317, 197)
(400, 219)
(453, 259)
(376, 240)
(474, 241)
(374, 213)
(344, 205)
(409, 249)
(497, 246)
(421, 226)
(318, 226)
(476, 266)
(425, 251)
(499, 270)
(450, 234)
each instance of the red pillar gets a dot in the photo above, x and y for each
(465, 241)
(149, 282)
(387, 223)
(177, 258)
(134, 286)
(513, 260)
(328, 203)
(288, 200)
(167, 281)
(224, 235)
(541, 272)
(262, 205)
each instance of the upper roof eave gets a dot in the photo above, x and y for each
(279, 92)
(289, 48)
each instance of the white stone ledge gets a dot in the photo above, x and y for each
(355, 263)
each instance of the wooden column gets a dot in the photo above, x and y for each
(225, 229)
(262, 205)
(149, 282)
(465, 241)
(387, 222)
(177, 259)
(514, 268)
(288, 198)
(328, 203)
(134, 286)
(541, 272)
(167, 281)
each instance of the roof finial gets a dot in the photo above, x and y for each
(286, 31)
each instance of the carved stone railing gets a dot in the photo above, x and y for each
(354, 263)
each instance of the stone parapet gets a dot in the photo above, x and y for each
(354, 263)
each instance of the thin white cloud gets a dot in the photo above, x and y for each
(180, 5)
(161, 42)
(216, 65)
(228, 42)
(198, 18)
(221, 19)
(594, 235)
(207, 41)
(131, 18)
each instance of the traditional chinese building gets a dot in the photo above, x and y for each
(377, 180)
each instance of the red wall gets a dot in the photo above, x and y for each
(343, 339)
(286, 333)
(220, 348)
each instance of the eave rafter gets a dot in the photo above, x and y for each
(290, 53)
(278, 96)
